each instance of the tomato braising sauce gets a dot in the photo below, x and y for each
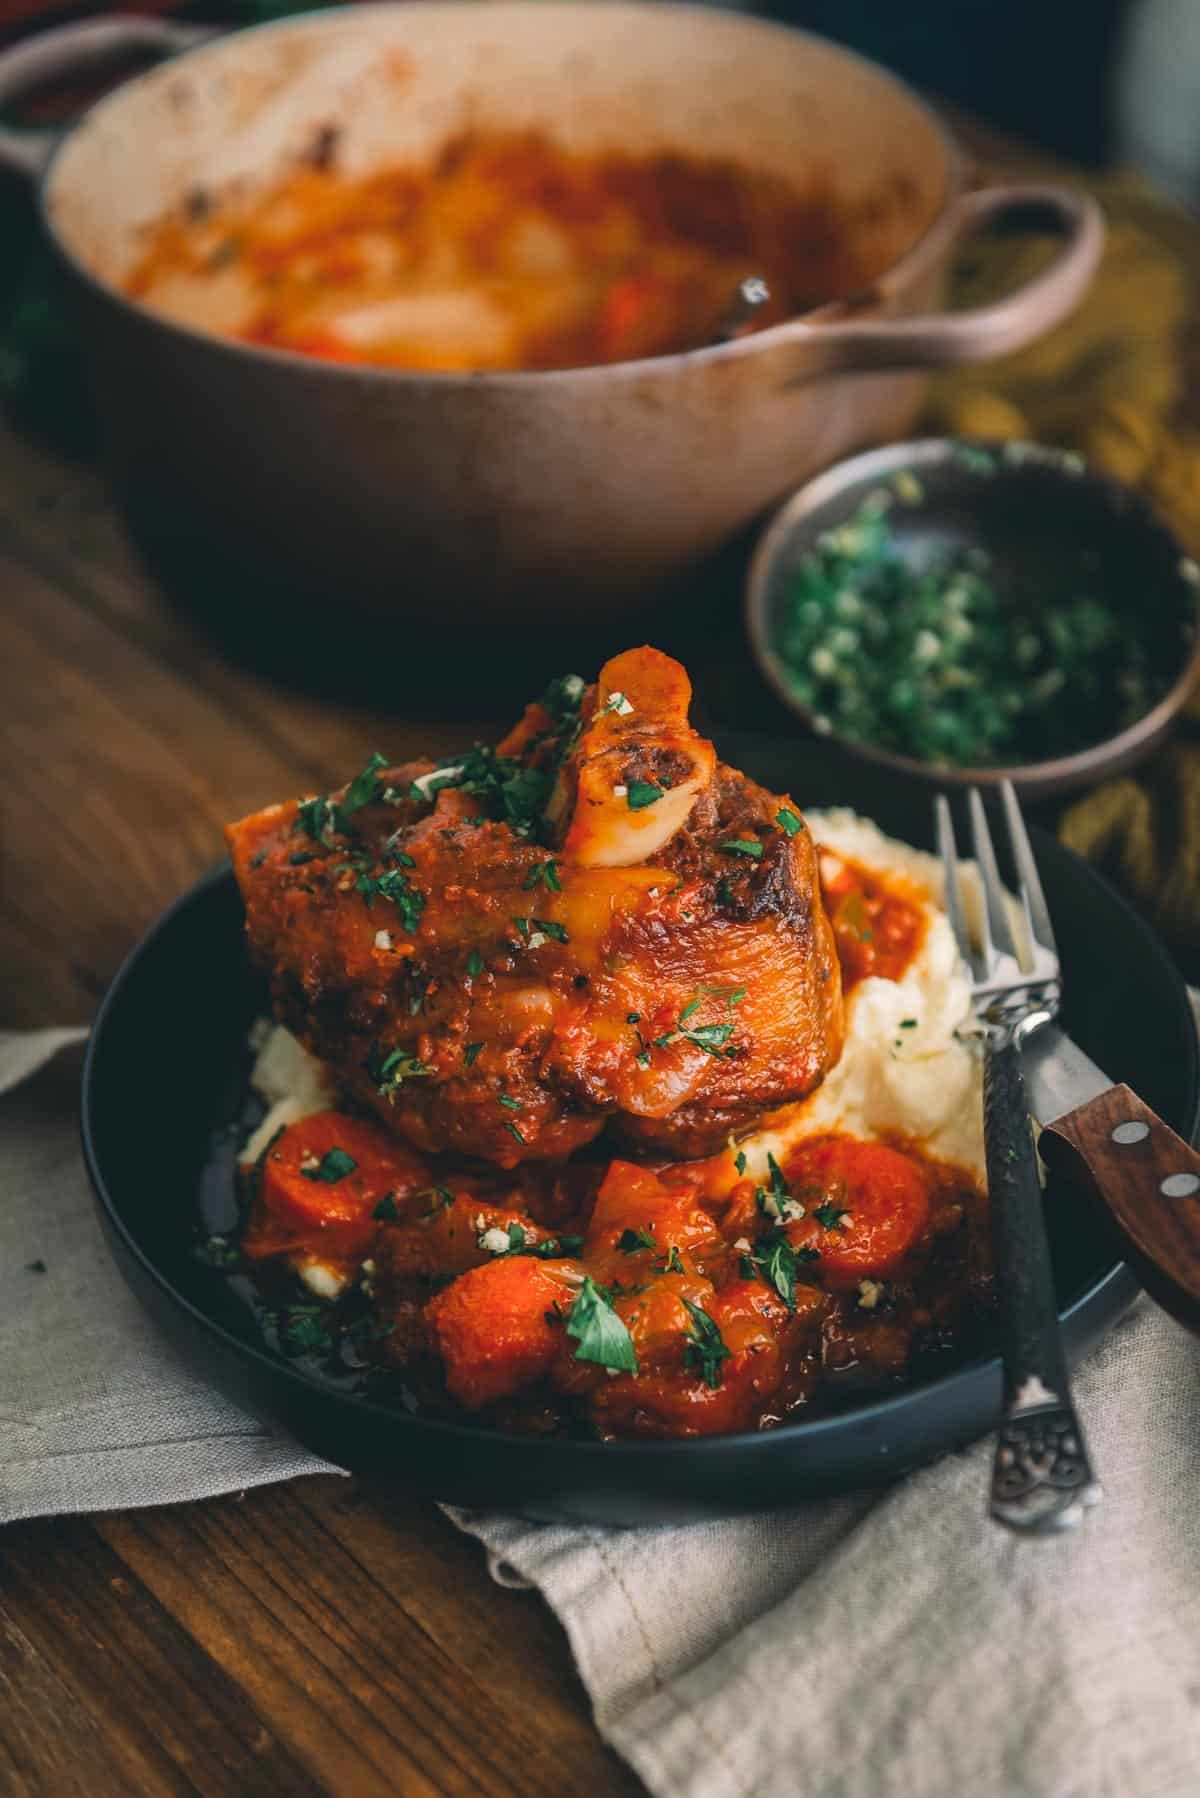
(612, 1297)
(507, 252)
(876, 926)
(622, 1299)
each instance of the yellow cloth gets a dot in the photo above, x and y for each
(1108, 383)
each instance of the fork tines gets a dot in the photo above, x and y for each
(999, 957)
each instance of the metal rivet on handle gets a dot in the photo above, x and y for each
(1133, 1131)
(1179, 1186)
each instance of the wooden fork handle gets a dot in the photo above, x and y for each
(1149, 1180)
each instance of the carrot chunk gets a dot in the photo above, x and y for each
(633, 1206)
(867, 1207)
(322, 1180)
(499, 1327)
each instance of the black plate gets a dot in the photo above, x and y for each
(161, 1081)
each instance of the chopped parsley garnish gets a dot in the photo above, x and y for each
(333, 1166)
(386, 1211)
(441, 1196)
(514, 1132)
(363, 790)
(302, 1330)
(630, 1241)
(511, 790)
(552, 1246)
(393, 884)
(301, 856)
(789, 821)
(427, 786)
(748, 846)
(672, 1264)
(633, 1017)
(776, 1201)
(739, 1161)
(704, 1347)
(543, 874)
(908, 1023)
(602, 1336)
(321, 818)
(641, 793)
(709, 1037)
(778, 1264)
(214, 1251)
(534, 931)
(315, 818)
(701, 1035)
(548, 1249)
(510, 1104)
(474, 964)
(389, 1068)
(829, 1215)
(733, 995)
(470, 1052)
(642, 1057)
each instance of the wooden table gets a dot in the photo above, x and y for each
(329, 1636)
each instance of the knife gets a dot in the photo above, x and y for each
(1147, 1177)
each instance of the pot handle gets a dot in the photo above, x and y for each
(67, 50)
(939, 339)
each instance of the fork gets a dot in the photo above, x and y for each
(1042, 1479)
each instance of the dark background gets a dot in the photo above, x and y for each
(1041, 68)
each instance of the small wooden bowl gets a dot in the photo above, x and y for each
(1041, 516)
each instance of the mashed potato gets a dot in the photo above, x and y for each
(910, 1066)
(291, 1083)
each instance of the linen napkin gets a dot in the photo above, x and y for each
(884, 1643)
(97, 1413)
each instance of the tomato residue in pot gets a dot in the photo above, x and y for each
(505, 252)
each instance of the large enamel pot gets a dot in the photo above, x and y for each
(507, 492)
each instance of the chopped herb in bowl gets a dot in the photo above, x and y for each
(931, 661)
(972, 610)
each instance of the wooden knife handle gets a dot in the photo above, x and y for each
(1149, 1180)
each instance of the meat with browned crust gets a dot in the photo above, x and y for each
(594, 925)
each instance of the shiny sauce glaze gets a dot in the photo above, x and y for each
(618, 1299)
(877, 926)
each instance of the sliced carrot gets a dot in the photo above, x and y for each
(499, 1327)
(866, 1205)
(320, 1184)
(633, 1203)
